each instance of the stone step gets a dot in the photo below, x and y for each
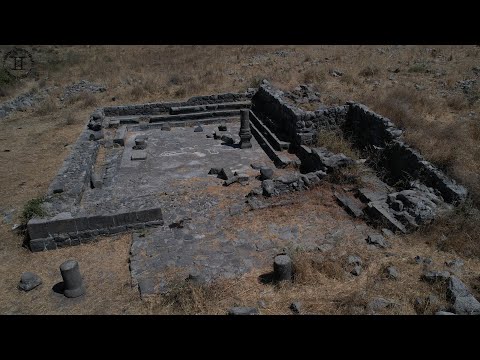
(195, 116)
(187, 123)
(175, 110)
(350, 205)
(276, 143)
(279, 159)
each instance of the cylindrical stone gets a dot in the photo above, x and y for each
(282, 268)
(140, 141)
(245, 134)
(72, 279)
(244, 119)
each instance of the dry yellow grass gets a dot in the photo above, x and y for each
(437, 120)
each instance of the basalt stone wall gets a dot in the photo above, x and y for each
(62, 225)
(65, 230)
(369, 130)
(291, 123)
(401, 161)
(161, 108)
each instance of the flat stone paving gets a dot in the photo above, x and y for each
(209, 229)
(218, 243)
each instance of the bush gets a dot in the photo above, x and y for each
(33, 208)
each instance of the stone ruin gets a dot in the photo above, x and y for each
(165, 171)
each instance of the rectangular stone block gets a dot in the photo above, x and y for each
(37, 228)
(50, 244)
(368, 195)
(98, 222)
(349, 205)
(147, 215)
(378, 212)
(139, 155)
(118, 229)
(37, 245)
(81, 223)
(61, 226)
(114, 123)
(120, 136)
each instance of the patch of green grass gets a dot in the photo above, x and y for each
(33, 208)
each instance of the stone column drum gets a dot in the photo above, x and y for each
(245, 134)
(282, 268)
(72, 279)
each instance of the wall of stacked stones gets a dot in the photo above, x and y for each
(291, 123)
(58, 227)
(161, 108)
(369, 130)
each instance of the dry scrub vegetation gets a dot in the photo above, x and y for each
(418, 87)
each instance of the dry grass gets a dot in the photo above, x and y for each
(450, 144)
(46, 106)
(457, 102)
(323, 285)
(70, 118)
(437, 124)
(334, 141)
(456, 232)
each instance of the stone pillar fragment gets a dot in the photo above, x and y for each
(282, 268)
(245, 133)
(72, 279)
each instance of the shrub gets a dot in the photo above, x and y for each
(33, 208)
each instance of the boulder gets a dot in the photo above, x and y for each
(266, 173)
(377, 240)
(29, 281)
(464, 303)
(296, 307)
(391, 273)
(433, 277)
(225, 174)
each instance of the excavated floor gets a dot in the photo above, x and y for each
(210, 231)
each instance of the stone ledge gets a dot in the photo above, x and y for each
(63, 228)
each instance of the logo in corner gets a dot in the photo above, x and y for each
(18, 62)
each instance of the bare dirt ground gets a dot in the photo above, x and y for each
(421, 88)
